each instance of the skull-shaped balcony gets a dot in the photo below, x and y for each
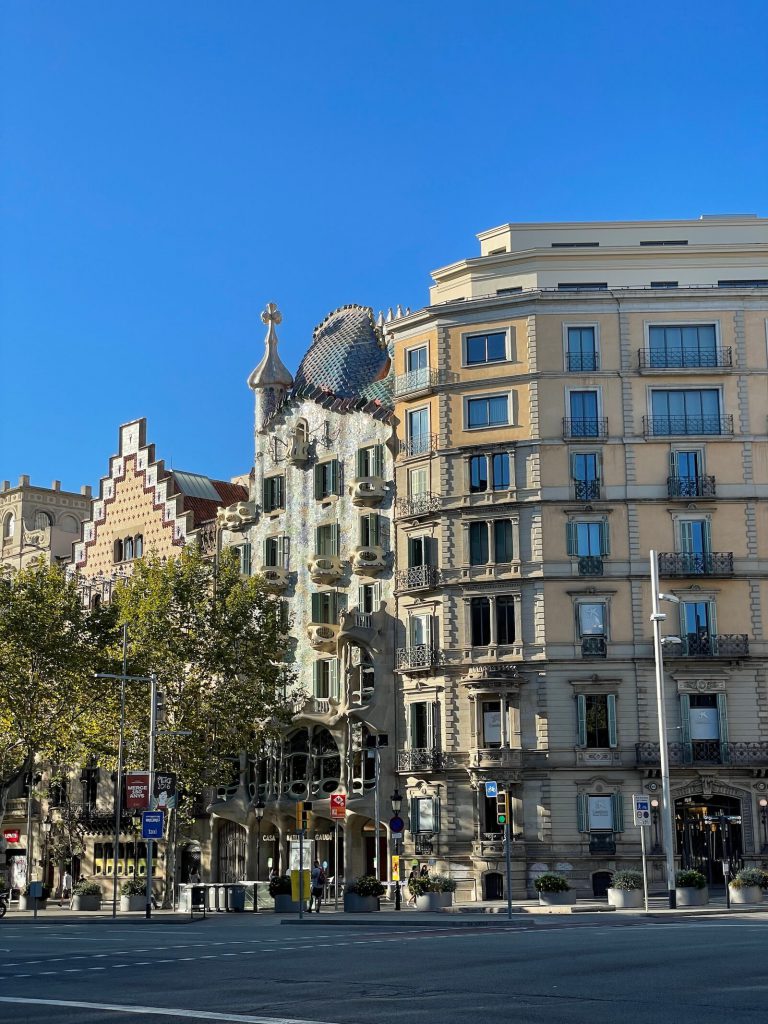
(368, 491)
(368, 560)
(275, 578)
(325, 568)
(323, 636)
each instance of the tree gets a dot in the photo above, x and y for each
(215, 640)
(50, 648)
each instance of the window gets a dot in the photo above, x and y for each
(500, 471)
(368, 597)
(492, 411)
(600, 814)
(128, 548)
(118, 551)
(480, 621)
(491, 712)
(489, 471)
(664, 284)
(370, 461)
(370, 530)
(697, 620)
(424, 815)
(42, 520)
(587, 538)
(327, 479)
(505, 620)
(421, 551)
(244, 558)
(478, 543)
(678, 345)
(603, 813)
(755, 282)
(582, 286)
(326, 679)
(421, 731)
(686, 411)
(585, 471)
(704, 728)
(695, 544)
(420, 630)
(581, 354)
(9, 526)
(596, 719)
(485, 348)
(138, 545)
(478, 474)
(591, 618)
(666, 241)
(417, 359)
(583, 409)
(276, 552)
(326, 605)
(274, 493)
(327, 540)
(418, 482)
(502, 540)
(418, 432)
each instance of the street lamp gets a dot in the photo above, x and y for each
(397, 801)
(764, 816)
(667, 829)
(655, 815)
(258, 810)
(46, 825)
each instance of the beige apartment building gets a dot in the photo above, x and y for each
(39, 522)
(572, 398)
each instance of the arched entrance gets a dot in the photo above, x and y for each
(703, 844)
(231, 860)
(601, 880)
(493, 886)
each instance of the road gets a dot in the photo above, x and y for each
(250, 970)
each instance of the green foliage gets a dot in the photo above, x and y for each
(551, 882)
(86, 888)
(689, 879)
(133, 887)
(627, 881)
(424, 884)
(280, 886)
(366, 885)
(748, 877)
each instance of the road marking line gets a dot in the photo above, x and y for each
(160, 1011)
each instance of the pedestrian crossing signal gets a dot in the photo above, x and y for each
(502, 808)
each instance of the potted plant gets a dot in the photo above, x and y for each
(626, 890)
(27, 902)
(133, 895)
(691, 889)
(281, 893)
(86, 895)
(362, 895)
(433, 892)
(748, 885)
(554, 890)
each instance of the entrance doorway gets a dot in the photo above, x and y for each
(703, 844)
(493, 886)
(231, 859)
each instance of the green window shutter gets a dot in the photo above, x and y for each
(316, 608)
(605, 538)
(283, 552)
(335, 477)
(318, 481)
(413, 814)
(247, 559)
(581, 717)
(336, 534)
(685, 728)
(722, 719)
(315, 677)
(570, 538)
(612, 737)
(361, 462)
(436, 813)
(265, 495)
(581, 812)
(617, 800)
(378, 460)
(375, 529)
(412, 553)
(334, 682)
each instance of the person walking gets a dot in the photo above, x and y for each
(317, 883)
(411, 879)
(66, 886)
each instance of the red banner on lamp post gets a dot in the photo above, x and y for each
(137, 791)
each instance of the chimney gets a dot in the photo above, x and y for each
(56, 485)
(23, 481)
(85, 490)
(6, 485)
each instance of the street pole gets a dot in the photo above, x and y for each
(152, 732)
(119, 778)
(667, 829)
(377, 810)
(336, 867)
(301, 874)
(645, 867)
(508, 848)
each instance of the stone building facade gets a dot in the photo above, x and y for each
(39, 522)
(578, 395)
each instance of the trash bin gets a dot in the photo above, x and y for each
(236, 898)
(197, 899)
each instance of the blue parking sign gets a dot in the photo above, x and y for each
(152, 823)
(491, 789)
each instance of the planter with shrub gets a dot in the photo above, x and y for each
(554, 890)
(86, 896)
(27, 902)
(626, 890)
(432, 892)
(691, 889)
(362, 895)
(133, 895)
(281, 892)
(748, 885)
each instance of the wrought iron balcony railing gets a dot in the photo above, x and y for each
(706, 752)
(684, 358)
(710, 645)
(583, 362)
(422, 380)
(594, 647)
(421, 759)
(691, 486)
(664, 426)
(419, 505)
(590, 565)
(712, 563)
(586, 490)
(418, 577)
(420, 656)
(585, 427)
(420, 444)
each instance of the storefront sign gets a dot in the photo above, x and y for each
(12, 835)
(137, 791)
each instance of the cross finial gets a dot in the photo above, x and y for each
(271, 315)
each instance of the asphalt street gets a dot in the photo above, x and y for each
(252, 970)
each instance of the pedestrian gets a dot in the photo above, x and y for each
(424, 873)
(194, 876)
(317, 883)
(66, 886)
(411, 887)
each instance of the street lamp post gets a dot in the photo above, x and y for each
(764, 816)
(667, 830)
(397, 801)
(655, 814)
(258, 810)
(46, 825)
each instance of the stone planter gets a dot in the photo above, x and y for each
(557, 899)
(28, 903)
(130, 904)
(82, 902)
(746, 894)
(354, 904)
(625, 899)
(690, 897)
(285, 904)
(434, 901)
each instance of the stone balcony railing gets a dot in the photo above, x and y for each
(712, 752)
(495, 757)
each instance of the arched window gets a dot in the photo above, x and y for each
(69, 524)
(9, 526)
(118, 550)
(42, 520)
(128, 548)
(138, 545)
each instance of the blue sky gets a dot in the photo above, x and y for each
(169, 168)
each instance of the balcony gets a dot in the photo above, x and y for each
(422, 759)
(684, 358)
(583, 362)
(422, 380)
(425, 504)
(495, 757)
(750, 754)
(275, 578)
(418, 658)
(368, 561)
(712, 563)
(691, 487)
(418, 577)
(710, 645)
(585, 427)
(590, 565)
(491, 846)
(665, 426)
(313, 707)
(368, 491)
(325, 568)
(419, 444)
(323, 635)
(357, 627)
(594, 647)
(586, 490)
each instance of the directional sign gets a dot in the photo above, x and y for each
(338, 806)
(642, 808)
(152, 824)
(491, 790)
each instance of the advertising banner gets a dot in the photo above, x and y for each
(137, 791)
(164, 796)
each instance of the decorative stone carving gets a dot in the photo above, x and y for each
(237, 516)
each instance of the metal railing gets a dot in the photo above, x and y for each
(419, 505)
(583, 362)
(691, 486)
(710, 645)
(420, 380)
(420, 444)
(705, 752)
(421, 759)
(416, 657)
(683, 358)
(585, 426)
(711, 563)
(418, 577)
(594, 647)
(661, 426)
(586, 490)
(590, 565)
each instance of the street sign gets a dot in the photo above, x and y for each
(338, 806)
(491, 790)
(137, 790)
(396, 824)
(396, 836)
(641, 805)
(152, 823)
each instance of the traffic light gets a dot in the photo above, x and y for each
(303, 809)
(502, 808)
(159, 707)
